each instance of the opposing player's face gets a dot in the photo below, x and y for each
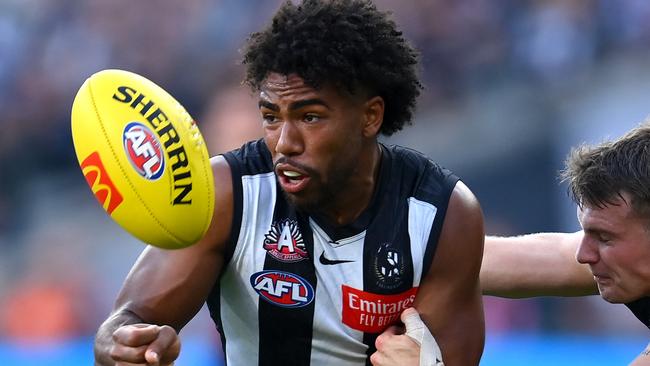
(616, 246)
(315, 137)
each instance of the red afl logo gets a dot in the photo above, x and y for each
(143, 150)
(283, 289)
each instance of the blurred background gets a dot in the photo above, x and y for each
(511, 85)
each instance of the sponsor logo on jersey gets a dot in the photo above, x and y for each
(143, 150)
(100, 183)
(373, 313)
(284, 241)
(283, 289)
(389, 266)
(330, 262)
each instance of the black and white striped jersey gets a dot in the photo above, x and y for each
(641, 309)
(297, 291)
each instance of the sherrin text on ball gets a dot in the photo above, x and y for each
(144, 158)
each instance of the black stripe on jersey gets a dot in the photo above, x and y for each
(641, 309)
(238, 193)
(214, 307)
(213, 301)
(285, 334)
(387, 231)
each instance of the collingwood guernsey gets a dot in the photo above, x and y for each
(296, 290)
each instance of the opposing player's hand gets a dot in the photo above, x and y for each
(145, 344)
(401, 345)
(430, 354)
(394, 348)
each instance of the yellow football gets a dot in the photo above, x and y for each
(143, 158)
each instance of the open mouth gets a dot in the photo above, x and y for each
(291, 180)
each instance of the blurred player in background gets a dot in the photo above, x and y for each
(321, 235)
(610, 183)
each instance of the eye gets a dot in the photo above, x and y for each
(604, 238)
(311, 118)
(269, 118)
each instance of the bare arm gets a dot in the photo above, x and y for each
(643, 359)
(535, 265)
(166, 288)
(449, 298)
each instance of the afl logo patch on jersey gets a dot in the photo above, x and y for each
(283, 289)
(389, 266)
(284, 241)
(143, 150)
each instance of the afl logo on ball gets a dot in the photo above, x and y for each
(143, 150)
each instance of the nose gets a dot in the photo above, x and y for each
(587, 252)
(290, 141)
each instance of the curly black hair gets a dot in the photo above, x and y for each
(348, 43)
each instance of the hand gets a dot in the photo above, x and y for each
(418, 331)
(397, 347)
(145, 344)
(394, 347)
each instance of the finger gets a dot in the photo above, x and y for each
(165, 349)
(136, 335)
(119, 352)
(430, 353)
(414, 325)
(376, 359)
(130, 364)
(394, 330)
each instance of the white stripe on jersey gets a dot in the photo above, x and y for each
(335, 343)
(421, 216)
(239, 301)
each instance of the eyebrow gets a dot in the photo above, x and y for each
(599, 231)
(295, 105)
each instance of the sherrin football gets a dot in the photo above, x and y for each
(143, 158)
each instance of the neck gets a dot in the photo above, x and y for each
(351, 202)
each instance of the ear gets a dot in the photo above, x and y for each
(373, 116)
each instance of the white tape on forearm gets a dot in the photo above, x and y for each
(430, 354)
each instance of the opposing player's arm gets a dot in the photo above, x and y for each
(643, 359)
(167, 287)
(535, 265)
(449, 298)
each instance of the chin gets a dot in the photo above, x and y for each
(301, 202)
(615, 297)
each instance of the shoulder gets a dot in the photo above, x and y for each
(462, 236)
(410, 159)
(464, 218)
(427, 180)
(251, 158)
(463, 201)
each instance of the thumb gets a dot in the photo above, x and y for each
(430, 353)
(414, 325)
(394, 330)
(164, 349)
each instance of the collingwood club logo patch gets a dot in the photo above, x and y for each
(284, 241)
(389, 266)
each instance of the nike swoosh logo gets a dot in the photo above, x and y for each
(329, 262)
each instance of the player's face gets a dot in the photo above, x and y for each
(315, 137)
(616, 246)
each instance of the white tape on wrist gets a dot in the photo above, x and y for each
(430, 354)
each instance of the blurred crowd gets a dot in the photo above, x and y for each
(63, 260)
